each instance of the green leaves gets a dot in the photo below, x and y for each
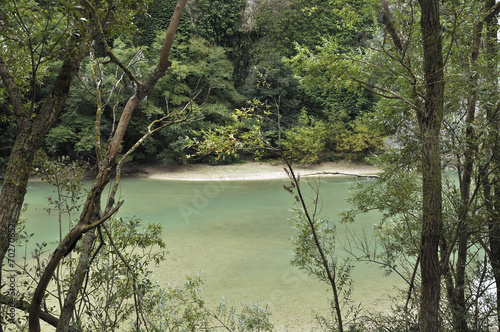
(218, 21)
(244, 132)
(306, 142)
(35, 35)
(181, 308)
(307, 22)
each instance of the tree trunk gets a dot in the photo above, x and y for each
(30, 131)
(430, 119)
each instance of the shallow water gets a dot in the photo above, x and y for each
(237, 235)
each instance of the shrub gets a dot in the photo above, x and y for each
(306, 142)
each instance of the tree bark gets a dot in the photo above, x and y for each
(430, 119)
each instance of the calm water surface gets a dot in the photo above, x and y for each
(237, 235)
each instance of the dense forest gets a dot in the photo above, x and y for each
(229, 58)
(103, 84)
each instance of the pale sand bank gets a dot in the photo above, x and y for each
(254, 171)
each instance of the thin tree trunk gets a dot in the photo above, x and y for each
(456, 295)
(431, 231)
(328, 267)
(494, 236)
(456, 291)
(493, 119)
(430, 124)
(76, 285)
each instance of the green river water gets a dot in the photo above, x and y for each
(237, 235)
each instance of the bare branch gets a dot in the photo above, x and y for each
(108, 215)
(108, 50)
(144, 89)
(342, 173)
(379, 91)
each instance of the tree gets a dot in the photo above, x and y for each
(492, 177)
(425, 104)
(46, 40)
(426, 99)
(91, 215)
(454, 125)
(157, 18)
(197, 67)
(314, 248)
(220, 23)
(429, 119)
(64, 33)
(281, 24)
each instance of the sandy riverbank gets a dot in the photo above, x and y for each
(253, 171)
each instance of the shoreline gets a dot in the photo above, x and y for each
(253, 171)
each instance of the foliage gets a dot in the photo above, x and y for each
(118, 276)
(312, 139)
(317, 104)
(332, 98)
(396, 192)
(66, 177)
(199, 63)
(359, 142)
(284, 23)
(274, 85)
(198, 69)
(37, 34)
(182, 309)
(157, 18)
(120, 264)
(306, 143)
(314, 250)
(201, 71)
(121, 269)
(218, 21)
(101, 86)
(244, 132)
(307, 257)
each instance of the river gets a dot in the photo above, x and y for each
(237, 235)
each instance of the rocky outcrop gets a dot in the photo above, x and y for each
(247, 23)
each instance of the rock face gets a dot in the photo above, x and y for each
(247, 24)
